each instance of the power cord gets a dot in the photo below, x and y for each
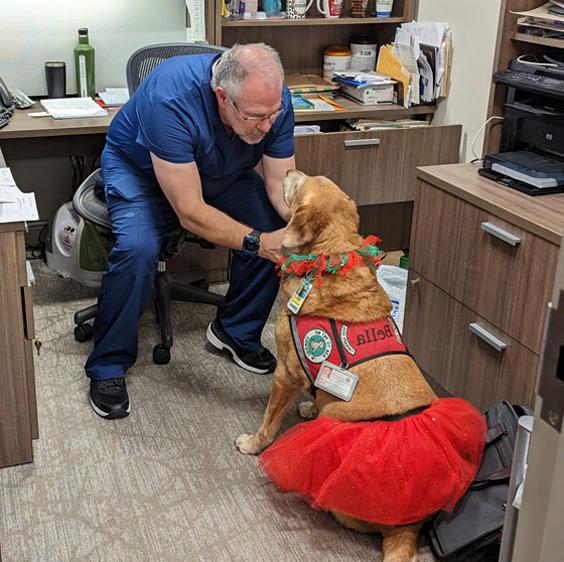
(472, 148)
(37, 252)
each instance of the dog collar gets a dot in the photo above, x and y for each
(313, 266)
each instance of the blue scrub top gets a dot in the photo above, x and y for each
(174, 115)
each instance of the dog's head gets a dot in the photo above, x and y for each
(324, 219)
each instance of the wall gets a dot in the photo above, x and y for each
(474, 26)
(36, 31)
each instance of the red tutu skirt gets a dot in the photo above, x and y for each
(393, 473)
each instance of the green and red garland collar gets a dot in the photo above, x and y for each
(313, 267)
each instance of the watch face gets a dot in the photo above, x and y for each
(251, 243)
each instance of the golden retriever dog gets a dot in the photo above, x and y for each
(392, 454)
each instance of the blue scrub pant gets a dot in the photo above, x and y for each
(139, 226)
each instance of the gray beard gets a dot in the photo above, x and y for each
(250, 137)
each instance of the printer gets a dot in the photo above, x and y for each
(531, 157)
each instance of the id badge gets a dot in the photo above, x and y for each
(299, 296)
(336, 381)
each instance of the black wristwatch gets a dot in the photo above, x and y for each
(251, 243)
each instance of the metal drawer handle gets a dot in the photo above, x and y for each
(488, 337)
(498, 232)
(362, 142)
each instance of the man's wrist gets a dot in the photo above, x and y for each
(251, 243)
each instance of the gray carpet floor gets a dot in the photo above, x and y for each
(166, 483)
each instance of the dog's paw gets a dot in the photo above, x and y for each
(308, 410)
(247, 444)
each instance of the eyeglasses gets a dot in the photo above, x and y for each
(258, 118)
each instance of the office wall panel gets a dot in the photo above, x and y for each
(36, 31)
(474, 26)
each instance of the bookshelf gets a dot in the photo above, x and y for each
(301, 44)
(511, 43)
(380, 175)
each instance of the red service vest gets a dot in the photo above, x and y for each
(318, 339)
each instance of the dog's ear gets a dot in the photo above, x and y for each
(302, 226)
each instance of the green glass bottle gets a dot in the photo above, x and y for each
(84, 65)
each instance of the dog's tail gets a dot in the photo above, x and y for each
(400, 543)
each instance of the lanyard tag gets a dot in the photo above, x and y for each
(336, 381)
(299, 296)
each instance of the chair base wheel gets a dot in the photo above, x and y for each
(83, 333)
(161, 354)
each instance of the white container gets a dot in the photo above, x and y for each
(363, 56)
(384, 8)
(335, 58)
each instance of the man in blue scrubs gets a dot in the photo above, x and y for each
(185, 150)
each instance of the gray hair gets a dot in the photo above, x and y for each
(240, 61)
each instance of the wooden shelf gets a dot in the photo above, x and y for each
(309, 22)
(533, 39)
(356, 110)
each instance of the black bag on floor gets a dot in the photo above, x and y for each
(472, 531)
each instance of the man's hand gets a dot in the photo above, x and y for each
(271, 244)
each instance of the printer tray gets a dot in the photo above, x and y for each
(518, 185)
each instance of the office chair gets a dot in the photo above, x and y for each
(88, 202)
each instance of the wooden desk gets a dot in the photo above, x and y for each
(482, 259)
(18, 411)
(22, 126)
(25, 137)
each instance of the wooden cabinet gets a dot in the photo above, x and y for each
(497, 269)
(375, 168)
(18, 411)
(482, 263)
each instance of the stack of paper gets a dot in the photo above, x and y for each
(361, 79)
(369, 125)
(114, 97)
(419, 59)
(369, 88)
(546, 20)
(315, 102)
(308, 83)
(73, 108)
(15, 206)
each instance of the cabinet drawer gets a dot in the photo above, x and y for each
(377, 166)
(461, 350)
(496, 269)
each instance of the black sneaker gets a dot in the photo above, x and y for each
(260, 362)
(109, 398)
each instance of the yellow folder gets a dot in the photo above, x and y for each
(391, 66)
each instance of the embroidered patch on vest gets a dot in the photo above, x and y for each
(317, 345)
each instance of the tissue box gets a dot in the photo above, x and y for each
(372, 94)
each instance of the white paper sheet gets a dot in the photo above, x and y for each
(428, 94)
(71, 108)
(22, 208)
(15, 206)
(115, 96)
(428, 32)
(6, 178)
(197, 16)
(406, 55)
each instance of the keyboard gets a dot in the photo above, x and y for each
(535, 83)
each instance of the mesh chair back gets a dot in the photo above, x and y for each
(144, 60)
